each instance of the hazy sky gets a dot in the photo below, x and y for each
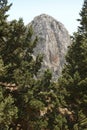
(65, 11)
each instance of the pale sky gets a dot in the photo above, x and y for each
(65, 11)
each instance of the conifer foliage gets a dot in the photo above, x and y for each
(26, 102)
(31, 103)
(8, 110)
(74, 75)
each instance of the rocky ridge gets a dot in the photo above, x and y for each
(53, 42)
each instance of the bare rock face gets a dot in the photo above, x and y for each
(53, 42)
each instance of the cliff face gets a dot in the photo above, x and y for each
(53, 42)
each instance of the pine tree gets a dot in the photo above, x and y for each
(83, 27)
(26, 102)
(4, 7)
(74, 75)
(8, 110)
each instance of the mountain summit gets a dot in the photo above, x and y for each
(53, 42)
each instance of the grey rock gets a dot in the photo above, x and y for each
(53, 42)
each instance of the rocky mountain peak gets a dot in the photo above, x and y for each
(53, 42)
